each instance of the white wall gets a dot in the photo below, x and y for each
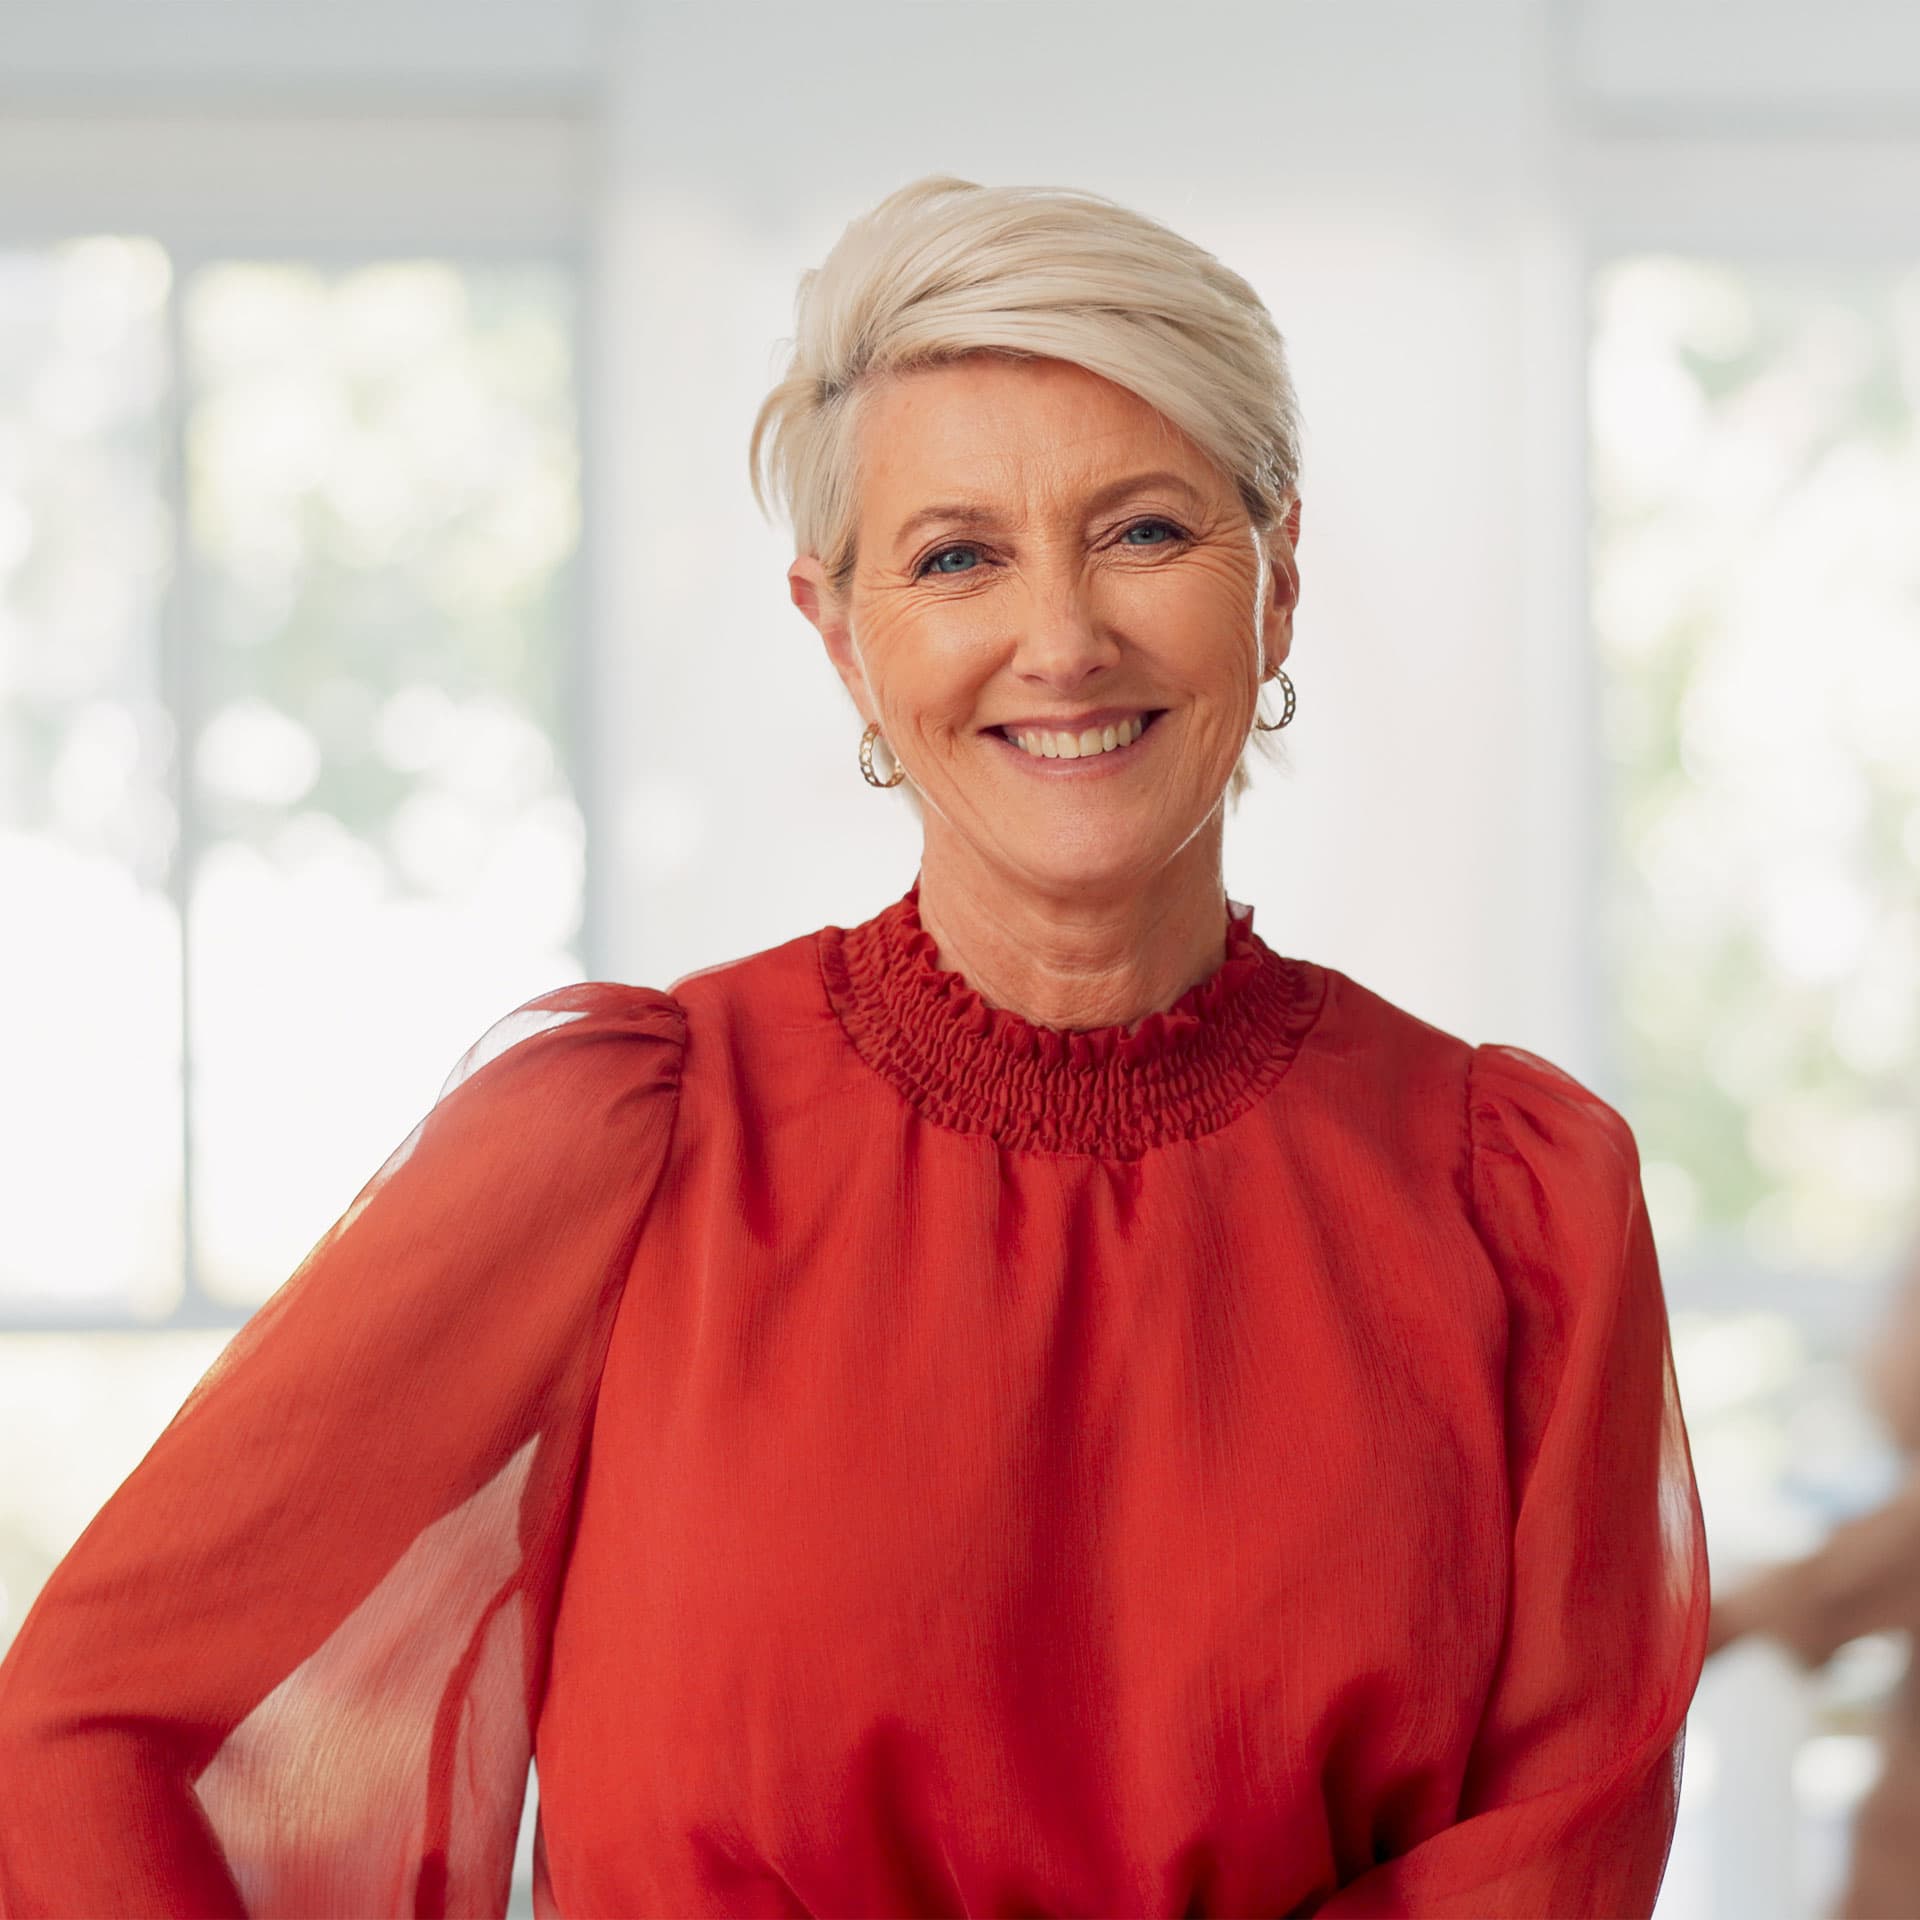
(215, 51)
(1388, 177)
(1804, 62)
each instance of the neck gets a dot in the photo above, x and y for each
(1078, 959)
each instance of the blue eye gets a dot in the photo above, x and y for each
(928, 565)
(1141, 526)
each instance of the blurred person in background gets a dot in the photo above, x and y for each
(1864, 1579)
(1037, 1402)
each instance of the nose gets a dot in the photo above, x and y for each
(1063, 642)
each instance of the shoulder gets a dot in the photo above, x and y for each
(763, 1017)
(574, 1075)
(769, 979)
(1499, 1086)
(622, 1051)
(1523, 1109)
(587, 1026)
(1558, 1206)
(622, 1022)
(566, 1097)
(1379, 1057)
(1512, 1115)
(1555, 1190)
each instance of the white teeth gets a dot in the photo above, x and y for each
(1076, 746)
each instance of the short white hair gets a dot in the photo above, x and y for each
(944, 268)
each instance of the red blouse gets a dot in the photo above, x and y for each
(878, 1456)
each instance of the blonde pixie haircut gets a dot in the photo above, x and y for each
(944, 268)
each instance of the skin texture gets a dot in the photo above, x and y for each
(1074, 902)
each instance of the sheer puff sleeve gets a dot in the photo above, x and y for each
(1572, 1780)
(293, 1665)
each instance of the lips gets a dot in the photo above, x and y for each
(1075, 723)
(1099, 737)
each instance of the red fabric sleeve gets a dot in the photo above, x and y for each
(293, 1665)
(1573, 1778)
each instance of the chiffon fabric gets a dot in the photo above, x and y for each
(876, 1456)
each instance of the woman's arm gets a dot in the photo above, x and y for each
(1571, 1782)
(292, 1666)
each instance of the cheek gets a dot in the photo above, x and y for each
(1200, 632)
(926, 667)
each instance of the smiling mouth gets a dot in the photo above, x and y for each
(1041, 743)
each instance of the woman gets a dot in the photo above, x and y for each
(1034, 1403)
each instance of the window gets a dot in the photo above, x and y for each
(287, 803)
(1756, 591)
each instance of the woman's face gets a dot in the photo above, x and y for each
(1046, 565)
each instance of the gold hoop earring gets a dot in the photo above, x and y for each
(1264, 726)
(866, 759)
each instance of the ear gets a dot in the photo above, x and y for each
(813, 594)
(1283, 590)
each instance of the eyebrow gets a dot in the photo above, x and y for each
(974, 513)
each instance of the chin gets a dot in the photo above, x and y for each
(1119, 866)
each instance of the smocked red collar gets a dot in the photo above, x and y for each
(1117, 1091)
